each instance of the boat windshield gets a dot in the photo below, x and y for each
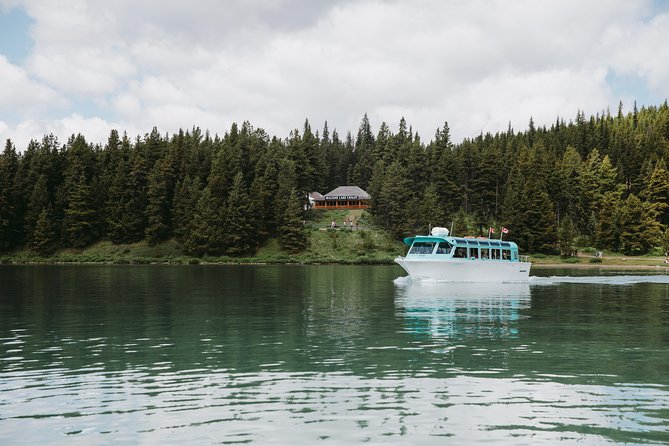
(444, 248)
(422, 248)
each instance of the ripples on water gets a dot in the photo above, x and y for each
(339, 355)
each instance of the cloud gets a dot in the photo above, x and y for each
(477, 64)
(22, 96)
(639, 50)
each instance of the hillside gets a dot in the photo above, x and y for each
(365, 244)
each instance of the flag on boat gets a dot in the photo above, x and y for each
(505, 231)
(492, 230)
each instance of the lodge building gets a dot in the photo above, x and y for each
(343, 197)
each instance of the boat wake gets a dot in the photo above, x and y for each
(602, 280)
(556, 280)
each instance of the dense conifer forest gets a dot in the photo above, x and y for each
(598, 181)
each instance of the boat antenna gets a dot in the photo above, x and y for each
(429, 228)
(451, 228)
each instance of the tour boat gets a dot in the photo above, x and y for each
(463, 259)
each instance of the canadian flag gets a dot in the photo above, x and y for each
(505, 231)
(492, 231)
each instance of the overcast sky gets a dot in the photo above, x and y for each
(89, 66)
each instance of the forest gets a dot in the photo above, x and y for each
(598, 181)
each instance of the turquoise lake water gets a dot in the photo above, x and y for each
(329, 355)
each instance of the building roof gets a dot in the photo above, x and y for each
(316, 196)
(348, 191)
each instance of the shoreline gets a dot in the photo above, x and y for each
(73, 260)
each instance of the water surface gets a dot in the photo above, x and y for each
(329, 354)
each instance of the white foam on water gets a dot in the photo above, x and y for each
(602, 280)
(555, 280)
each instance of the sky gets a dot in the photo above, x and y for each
(89, 66)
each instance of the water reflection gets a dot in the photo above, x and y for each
(304, 355)
(461, 310)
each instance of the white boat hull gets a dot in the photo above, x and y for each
(463, 270)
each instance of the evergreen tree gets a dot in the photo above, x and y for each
(566, 236)
(80, 215)
(607, 230)
(44, 238)
(38, 201)
(656, 191)
(9, 230)
(239, 224)
(125, 213)
(665, 242)
(527, 205)
(159, 206)
(292, 235)
(639, 231)
(395, 196)
(205, 233)
(432, 210)
(187, 194)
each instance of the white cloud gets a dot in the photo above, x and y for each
(640, 50)
(477, 64)
(20, 95)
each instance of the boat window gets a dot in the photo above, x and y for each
(506, 254)
(485, 253)
(482, 242)
(472, 242)
(473, 253)
(460, 252)
(504, 243)
(494, 243)
(494, 254)
(422, 248)
(444, 248)
(515, 255)
(459, 240)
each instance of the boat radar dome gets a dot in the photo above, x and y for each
(439, 232)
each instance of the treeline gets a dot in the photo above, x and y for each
(600, 181)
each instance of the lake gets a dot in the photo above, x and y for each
(294, 355)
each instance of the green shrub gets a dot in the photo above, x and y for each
(571, 260)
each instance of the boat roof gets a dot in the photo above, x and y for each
(469, 241)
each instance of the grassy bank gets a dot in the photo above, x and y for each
(608, 261)
(364, 245)
(341, 246)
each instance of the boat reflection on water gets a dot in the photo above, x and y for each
(461, 310)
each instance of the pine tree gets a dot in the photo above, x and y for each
(38, 201)
(665, 242)
(396, 194)
(639, 231)
(528, 209)
(656, 191)
(566, 236)
(187, 194)
(432, 211)
(292, 235)
(9, 230)
(44, 238)
(240, 233)
(205, 233)
(607, 229)
(80, 215)
(159, 207)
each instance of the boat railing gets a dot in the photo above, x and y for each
(524, 258)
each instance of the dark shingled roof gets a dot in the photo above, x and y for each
(348, 191)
